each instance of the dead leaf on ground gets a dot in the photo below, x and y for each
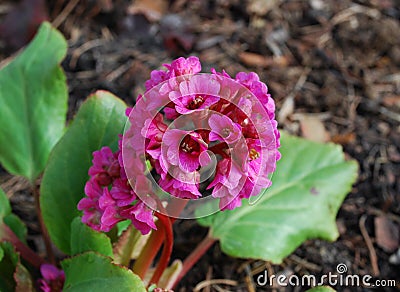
(344, 139)
(253, 59)
(261, 7)
(386, 233)
(313, 129)
(153, 10)
(393, 100)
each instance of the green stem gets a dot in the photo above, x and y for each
(26, 253)
(127, 248)
(193, 258)
(167, 249)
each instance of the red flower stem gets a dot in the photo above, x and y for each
(153, 245)
(26, 253)
(193, 258)
(45, 233)
(167, 249)
(149, 252)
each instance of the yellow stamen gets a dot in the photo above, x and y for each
(254, 154)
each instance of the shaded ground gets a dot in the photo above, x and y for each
(332, 66)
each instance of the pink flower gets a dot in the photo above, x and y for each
(157, 76)
(105, 166)
(141, 217)
(224, 129)
(179, 67)
(154, 130)
(185, 150)
(182, 66)
(184, 187)
(195, 94)
(122, 192)
(106, 205)
(259, 89)
(90, 204)
(53, 278)
(110, 216)
(227, 184)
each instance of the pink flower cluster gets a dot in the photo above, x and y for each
(53, 278)
(109, 196)
(185, 119)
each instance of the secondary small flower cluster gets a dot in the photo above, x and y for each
(185, 119)
(53, 278)
(109, 196)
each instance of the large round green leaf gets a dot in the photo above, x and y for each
(33, 104)
(98, 122)
(93, 272)
(308, 188)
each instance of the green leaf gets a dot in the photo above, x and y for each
(93, 272)
(8, 263)
(10, 219)
(33, 103)
(5, 207)
(84, 238)
(17, 226)
(309, 185)
(98, 122)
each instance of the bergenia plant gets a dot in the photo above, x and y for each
(194, 145)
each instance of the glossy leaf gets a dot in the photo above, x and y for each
(308, 188)
(93, 272)
(33, 102)
(98, 122)
(5, 207)
(10, 219)
(83, 238)
(17, 226)
(8, 263)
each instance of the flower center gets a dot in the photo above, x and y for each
(188, 145)
(196, 102)
(254, 154)
(225, 132)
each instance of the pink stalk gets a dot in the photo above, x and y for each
(167, 249)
